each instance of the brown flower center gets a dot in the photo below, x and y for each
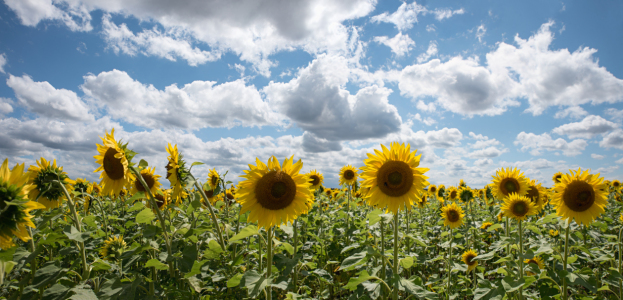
(453, 194)
(520, 208)
(533, 194)
(314, 180)
(275, 190)
(349, 174)
(509, 185)
(112, 165)
(453, 215)
(579, 196)
(209, 193)
(557, 178)
(148, 179)
(160, 200)
(395, 178)
(469, 259)
(433, 190)
(214, 180)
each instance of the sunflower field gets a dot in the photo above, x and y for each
(385, 233)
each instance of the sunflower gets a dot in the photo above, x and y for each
(462, 183)
(621, 217)
(518, 207)
(393, 177)
(537, 261)
(508, 181)
(537, 194)
(453, 193)
(348, 175)
(113, 248)
(423, 200)
(556, 178)
(468, 259)
(46, 191)
(211, 197)
(94, 189)
(273, 193)
(315, 179)
(151, 179)
(452, 215)
(15, 205)
(114, 159)
(553, 232)
(213, 179)
(432, 190)
(580, 196)
(162, 197)
(177, 174)
(466, 194)
(80, 187)
(486, 225)
(615, 183)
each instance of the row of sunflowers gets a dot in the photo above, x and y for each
(386, 233)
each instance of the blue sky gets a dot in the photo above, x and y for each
(473, 85)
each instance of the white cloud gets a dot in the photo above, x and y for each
(428, 121)
(538, 143)
(480, 32)
(575, 112)
(404, 17)
(489, 152)
(198, 104)
(2, 62)
(483, 162)
(42, 98)
(597, 156)
(400, 44)
(460, 85)
(615, 114)
(425, 107)
(31, 12)
(170, 45)
(555, 77)
(430, 52)
(587, 128)
(441, 14)
(613, 139)
(317, 101)
(5, 106)
(431, 28)
(619, 161)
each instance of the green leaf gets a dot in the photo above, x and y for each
(7, 255)
(99, 265)
(89, 220)
(197, 163)
(234, 281)
(137, 206)
(494, 227)
(74, 235)
(406, 262)
(156, 263)
(145, 216)
(196, 269)
(416, 290)
(486, 256)
(511, 285)
(142, 164)
(248, 231)
(287, 247)
(138, 195)
(353, 282)
(354, 260)
(214, 250)
(374, 216)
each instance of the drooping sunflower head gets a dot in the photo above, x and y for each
(556, 178)
(177, 173)
(274, 193)
(15, 206)
(315, 179)
(162, 197)
(348, 175)
(151, 179)
(453, 194)
(580, 196)
(553, 232)
(213, 178)
(537, 194)
(393, 177)
(486, 225)
(114, 160)
(508, 181)
(452, 215)
(113, 248)
(537, 261)
(46, 190)
(466, 194)
(518, 207)
(94, 189)
(468, 259)
(81, 186)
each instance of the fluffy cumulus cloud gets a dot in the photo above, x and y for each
(43, 99)
(6, 106)
(537, 143)
(198, 104)
(555, 77)
(430, 52)
(613, 139)
(460, 86)
(597, 156)
(588, 128)
(407, 14)
(575, 112)
(615, 114)
(317, 101)
(400, 44)
(254, 30)
(2, 62)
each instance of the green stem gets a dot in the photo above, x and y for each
(33, 267)
(383, 253)
(395, 294)
(72, 208)
(564, 262)
(214, 220)
(269, 264)
(520, 260)
(295, 275)
(620, 265)
(449, 263)
(348, 217)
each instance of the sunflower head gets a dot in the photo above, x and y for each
(432, 189)
(615, 184)
(177, 173)
(315, 179)
(468, 258)
(553, 232)
(537, 261)
(94, 189)
(81, 186)
(113, 248)
(423, 200)
(46, 190)
(150, 178)
(453, 194)
(580, 196)
(393, 177)
(15, 205)
(213, 178)
(114, 159)
(486, 225)
(509, 181)
(466, 194)
(556, 178)
(162, 197)
(274, 193)
(452, 215)
(462, 183)
(348, 175)
(518, 207)
(537, 194)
